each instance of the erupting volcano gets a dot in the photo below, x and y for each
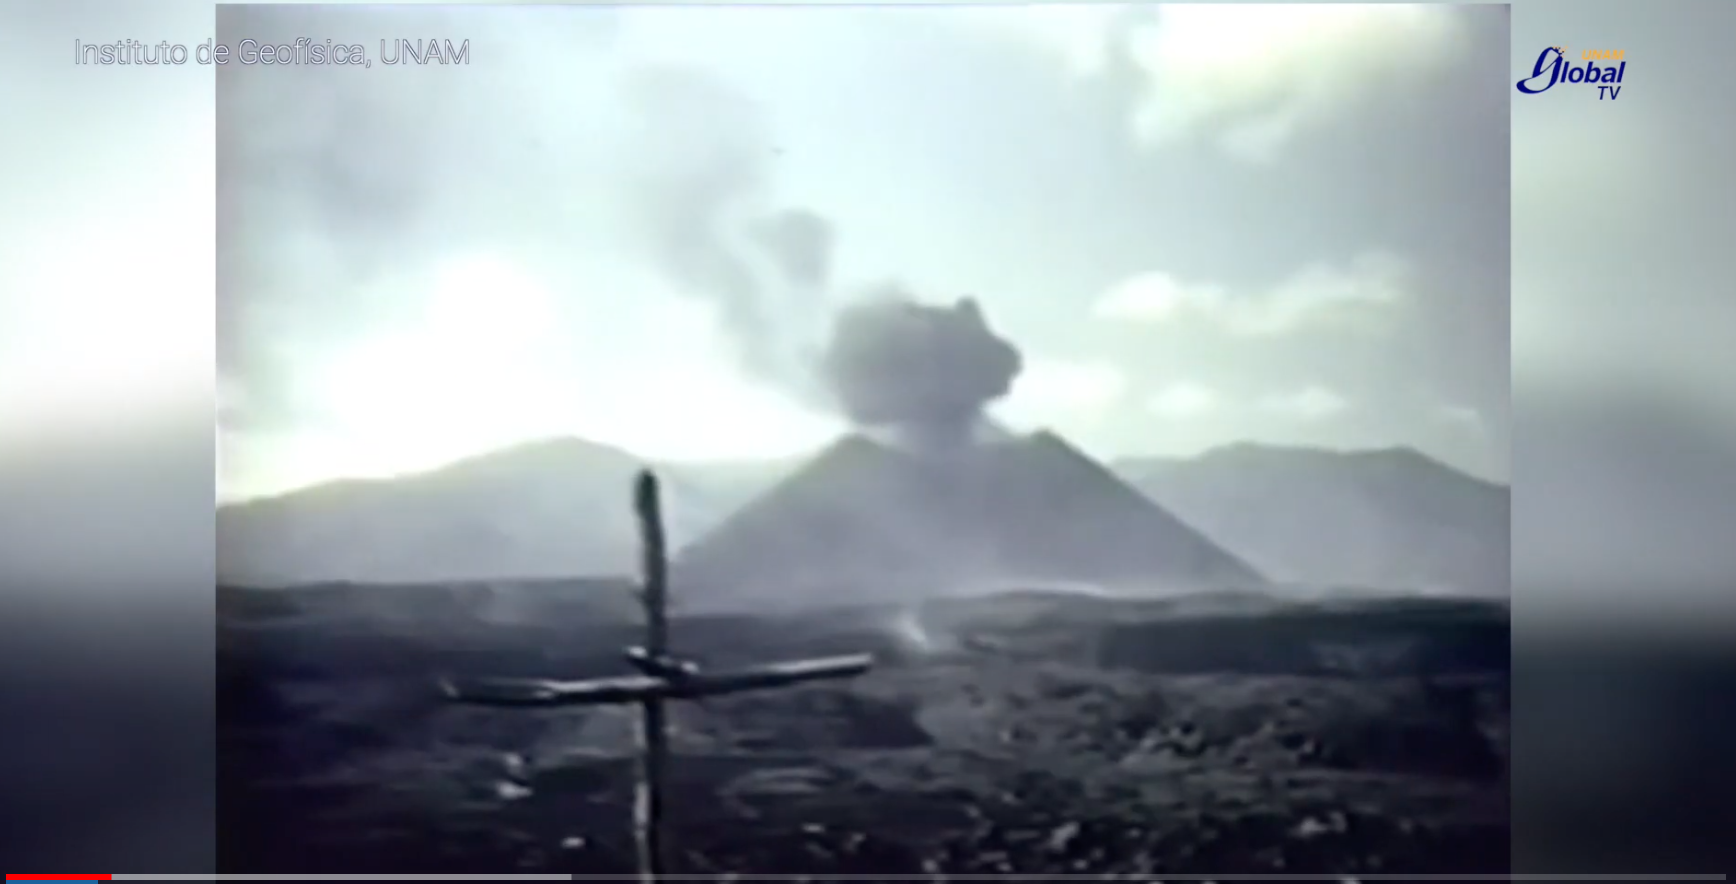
(929, 499)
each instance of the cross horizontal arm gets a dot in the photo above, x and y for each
(661, 665)
(640, 688)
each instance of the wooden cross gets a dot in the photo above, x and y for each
(663, 676)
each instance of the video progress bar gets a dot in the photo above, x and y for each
(1146, 879)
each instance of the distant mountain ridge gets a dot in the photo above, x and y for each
(559, 508)
(550, 508)
(1391, 517)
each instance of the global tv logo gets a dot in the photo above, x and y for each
(1553, 67)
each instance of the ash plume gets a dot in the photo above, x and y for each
(926, 371)
(923, 371)
(800, 244)
(706, 197)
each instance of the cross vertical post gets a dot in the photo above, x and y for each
(653, 730)
(663, 676)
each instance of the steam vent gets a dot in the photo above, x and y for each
(867, 521)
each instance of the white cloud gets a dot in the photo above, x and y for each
(1055, 389)
(1252, 76)
(1311, 403)
(1460, 416)
(1183, 399)
(1249, 76)
(1319, 295)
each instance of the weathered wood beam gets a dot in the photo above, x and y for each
(653, 728)
(642, 688)
(662, 666)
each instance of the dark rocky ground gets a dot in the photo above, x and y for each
(1035, 734)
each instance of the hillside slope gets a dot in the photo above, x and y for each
(555, 508)
(1389, 518)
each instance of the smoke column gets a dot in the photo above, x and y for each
(914, 374)
(799, 243)
(705, 188)
(923, 372)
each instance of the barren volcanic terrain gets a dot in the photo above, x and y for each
(1028, 733)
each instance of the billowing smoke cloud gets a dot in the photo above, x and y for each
(923, 369)
(924, 372)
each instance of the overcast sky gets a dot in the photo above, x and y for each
(1199, 224)
(106, 273)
